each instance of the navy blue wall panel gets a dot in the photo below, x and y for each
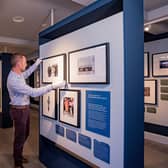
(54, 157)
(133, 84)
(5, 121)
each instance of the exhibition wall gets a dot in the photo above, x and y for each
(156, 116)
(86, 37)
(96, 121)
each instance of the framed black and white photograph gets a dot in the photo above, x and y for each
(146, 64)
(54, 69)
(89, 65)
(69, 107)
(49, 104)
(150, 92)
(160, 64)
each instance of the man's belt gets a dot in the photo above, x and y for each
(19, 106)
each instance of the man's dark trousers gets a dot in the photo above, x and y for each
(21, 118)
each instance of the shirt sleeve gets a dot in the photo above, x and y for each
(27, 90)
(30, 70)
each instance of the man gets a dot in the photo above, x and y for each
(19, 93)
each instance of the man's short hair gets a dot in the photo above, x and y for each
(15, 58)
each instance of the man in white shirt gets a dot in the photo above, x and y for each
(20, 93)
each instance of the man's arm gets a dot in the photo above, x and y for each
(33, 92)
(31, 69)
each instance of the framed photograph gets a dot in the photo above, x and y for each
(54, 68)
(69, 107)
(146, 64)
(89, 65)
(160, 65)
(49, 104)
(150, 92)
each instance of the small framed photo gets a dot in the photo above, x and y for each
(160, 65)
(89, 65)
(49, 104)
(150, 92)
(146, 64)
(54, 68)
(69, 107)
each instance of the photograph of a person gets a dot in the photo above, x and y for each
(53, 68)
(69, 107)
(86, 65)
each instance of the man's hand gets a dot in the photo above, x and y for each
(58, 84)
(38, 61)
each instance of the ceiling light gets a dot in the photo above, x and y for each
(18, 19)
(147, 28)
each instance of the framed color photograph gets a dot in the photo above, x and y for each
(150, 92)
(69, 107)
(49, 106)
(160, 65)
(146, 64)
(89, 65)
(54, 68)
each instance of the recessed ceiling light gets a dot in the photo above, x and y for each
(147, 28)
(18, 19)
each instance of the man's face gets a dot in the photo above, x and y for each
(23, 63)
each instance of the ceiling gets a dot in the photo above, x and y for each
(37, 17)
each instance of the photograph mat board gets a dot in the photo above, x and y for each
(53, 69)
(151, 97)
(68, 116)
(88, 65)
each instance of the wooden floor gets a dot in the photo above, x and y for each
(156, 155)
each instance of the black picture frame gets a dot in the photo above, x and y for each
(68, 117)
(146, 64)
(55, 105)
(86, 69)
(63, 71)
(154, 101)
(155, 65)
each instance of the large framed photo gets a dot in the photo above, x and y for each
(150, 92)
(160, 65)
(54, 68)
(69, 107)
(146, 64)
(49, 104)
(89, 65)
